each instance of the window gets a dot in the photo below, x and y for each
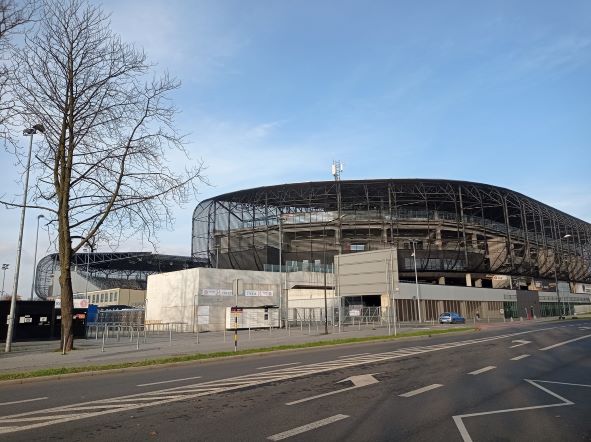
(357, 247)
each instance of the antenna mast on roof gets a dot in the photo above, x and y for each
(337, 169)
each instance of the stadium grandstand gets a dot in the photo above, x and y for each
(464, 233)
(107, 270)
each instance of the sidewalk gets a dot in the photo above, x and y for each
(38, 355)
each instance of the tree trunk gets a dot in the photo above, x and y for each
(65, 257)
(67, 311)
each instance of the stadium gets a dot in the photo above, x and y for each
(464, 233)
(476, 249)
(106, 271)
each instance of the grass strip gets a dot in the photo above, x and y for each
(220, 354)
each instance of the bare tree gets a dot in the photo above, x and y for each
(13, 16)
(109, 125)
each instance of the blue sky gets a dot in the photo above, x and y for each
(495, 92)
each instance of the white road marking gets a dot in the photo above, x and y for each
(352, 356)
(482, 370)
(278, 365)
(462, 427)
(358, 381)
(421, 390)
(517, 358)
(520, 343)
(584, 328)
(24, 400)
(52, 416)
(308, 427)
(565, 342)
(169, 381)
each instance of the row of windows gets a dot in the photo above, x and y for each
(95, 298)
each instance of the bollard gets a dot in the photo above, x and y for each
(103, 346)
(249, 333)
(137, 344)
(96, 337)
(144, 334)
(118, 332)
(269, 330)
(224, 335)
(169, 336)
(309, 328)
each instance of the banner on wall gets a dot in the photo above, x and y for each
(78, 303)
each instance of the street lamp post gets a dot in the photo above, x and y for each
(280, 220)
(35, 257)
(324, 271)
(414, 255)
(27, 132)
(4, 268)
(562, 313)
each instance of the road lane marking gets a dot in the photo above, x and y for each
(564, 383)
(358, 382)
(520, 343)
(565, 342)
(517, 358)
(53, 416)
(24, 400)
(482, 370)
(352, 356)
(278, 365)
(462, 427)
(421, 390)
(169, 381)
(308, 427)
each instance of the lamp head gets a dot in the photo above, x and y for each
(33, 130)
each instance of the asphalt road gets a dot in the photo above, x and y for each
(521, 383)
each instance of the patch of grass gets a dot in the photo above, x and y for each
(220, 354)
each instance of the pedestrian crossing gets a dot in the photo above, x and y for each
(85, 410)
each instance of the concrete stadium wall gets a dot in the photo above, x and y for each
(453, 293)
(183, 296)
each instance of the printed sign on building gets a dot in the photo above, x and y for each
(216, 292)
(258, 292)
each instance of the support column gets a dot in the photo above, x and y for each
(468, 280)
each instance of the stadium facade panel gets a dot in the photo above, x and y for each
(456, 227)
